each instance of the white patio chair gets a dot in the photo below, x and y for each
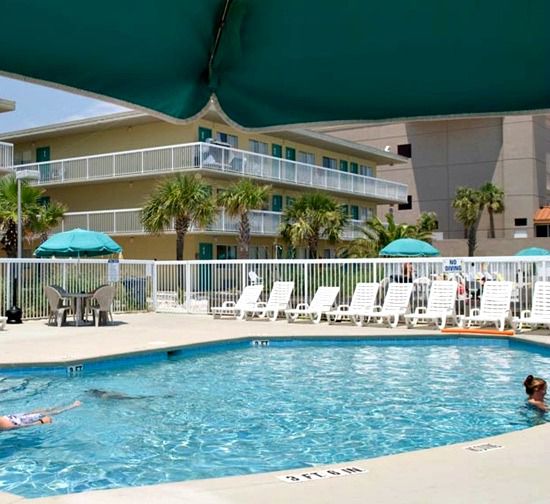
(248, 298)
(539, 314)
(279, 297)
(59, 307)
(101, 303)
(396, 304)
(441, 305)
(362, 301)
(254, 278)
(494, 307)
(320, 304)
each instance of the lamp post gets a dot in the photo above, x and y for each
(14, 314)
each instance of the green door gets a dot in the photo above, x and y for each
(42, 155)
(343, 165)
(354, 168)
(277, 203)
(204, 134)
(290, 154)
(355, 212)
(277, 150)
(205, 270)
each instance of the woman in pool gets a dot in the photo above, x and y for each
(535, 388)
(37, 417)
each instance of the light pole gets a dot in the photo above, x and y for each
(14, 314)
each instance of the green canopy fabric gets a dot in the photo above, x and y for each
(409, 247)
(533, 251)
(281, 62)
(78, 243)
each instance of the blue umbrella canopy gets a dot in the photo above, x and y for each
(78, 243)
(409, 247)
(533, 251)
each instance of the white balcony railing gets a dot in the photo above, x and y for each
(213, 158)
(6, 157)
(128, 222)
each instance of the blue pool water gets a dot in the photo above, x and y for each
(246, 409)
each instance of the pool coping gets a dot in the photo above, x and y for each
(512, 474)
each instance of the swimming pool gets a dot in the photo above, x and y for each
(241, 409)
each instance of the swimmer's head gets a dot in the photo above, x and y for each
(533, 384)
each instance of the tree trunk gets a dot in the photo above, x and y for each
(9, 240)
(182, 226)
(472, 237)
(313, 245)
(491, 223)
(244, 236)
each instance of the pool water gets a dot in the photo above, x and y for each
(248, 409)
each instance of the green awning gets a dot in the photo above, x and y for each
(278, 62)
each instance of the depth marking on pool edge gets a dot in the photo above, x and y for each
(482, 448)
(319, 475)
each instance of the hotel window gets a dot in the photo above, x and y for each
(522, 221)
(405, 150)
(344, 165)
(259, 147)
(367, 213)
(226, 252)
(353, 167)
(306, 157)
(232, 140)
(289, 201)
(329, 162)
(258, 252)
(354, 212)
(366, 170)
(406, 206)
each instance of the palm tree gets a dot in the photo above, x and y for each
(468, 207)
(184, 198)
(33, 215)
(238, 200)
(492, 198)
(47, 218)
(426, 222)
(309, 219)
(377, 234)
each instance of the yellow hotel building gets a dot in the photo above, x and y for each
(104, 168)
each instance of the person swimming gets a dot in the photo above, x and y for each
(535, 388)
(109, 394)
(36, 417)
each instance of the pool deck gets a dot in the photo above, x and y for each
(515, 473)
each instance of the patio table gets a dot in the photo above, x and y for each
(79, 303)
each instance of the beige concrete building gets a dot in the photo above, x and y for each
(513, 152)
(104, 169)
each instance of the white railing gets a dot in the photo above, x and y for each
(6, 156)
(196, 286)
(128, 221)
(213, 158)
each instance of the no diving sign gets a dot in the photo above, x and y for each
(319, 475)
(452, 266)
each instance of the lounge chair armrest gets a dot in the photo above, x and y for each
(474, 312)
(525, 313)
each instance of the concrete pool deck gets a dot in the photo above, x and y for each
(516, 473)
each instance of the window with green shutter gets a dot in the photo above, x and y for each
(204, 134)
(354, 168)
(345, 209)
(355, 212)
(277, 203)
(277, 150)
(290, 154)
(343, 165)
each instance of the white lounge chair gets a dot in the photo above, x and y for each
(279, 297)
(494, 307)
(362, 301)
(441, 305)
(3, 321)
(320, 304)
(248, 298)
(396, 304)
(539, 314)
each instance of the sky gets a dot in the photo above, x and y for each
(39, 105)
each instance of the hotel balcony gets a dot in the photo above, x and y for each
(211, 159)
(6, 158)
(128, 222)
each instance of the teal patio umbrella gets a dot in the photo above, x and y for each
(78, 243)
(269, 63)
(533, 251)
(409, 247)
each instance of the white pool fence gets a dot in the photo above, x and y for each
(196, 286)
